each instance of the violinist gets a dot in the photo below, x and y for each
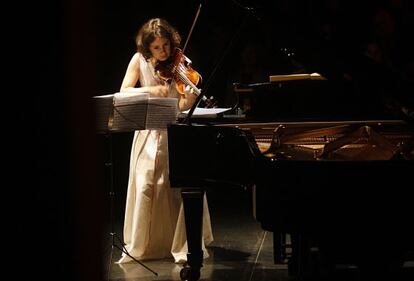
(154, 220)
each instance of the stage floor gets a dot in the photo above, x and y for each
(241, 251)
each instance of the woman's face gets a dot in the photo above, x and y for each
(160, 48)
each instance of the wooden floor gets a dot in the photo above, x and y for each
(241, 251)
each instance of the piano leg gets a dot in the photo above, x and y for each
(193, 212)
(280, 247)
(299, 264)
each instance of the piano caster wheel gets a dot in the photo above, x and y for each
(190, 274)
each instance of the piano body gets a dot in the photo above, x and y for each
(341, 185)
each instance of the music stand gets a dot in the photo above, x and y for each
(126, 112)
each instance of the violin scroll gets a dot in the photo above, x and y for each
(210, 102)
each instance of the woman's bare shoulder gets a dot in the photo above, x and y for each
(135, 62)
(137, 57)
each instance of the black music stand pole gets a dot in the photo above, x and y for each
(128, 113)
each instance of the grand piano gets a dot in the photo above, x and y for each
(333, 181)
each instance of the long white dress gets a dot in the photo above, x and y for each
(154, 226)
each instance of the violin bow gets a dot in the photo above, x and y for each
(192, 28)
(201, 94)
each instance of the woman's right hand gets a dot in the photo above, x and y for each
(159, 91)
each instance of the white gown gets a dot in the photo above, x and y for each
(154, 226)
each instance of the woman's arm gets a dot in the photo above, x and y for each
(131, 76)
(187, 99)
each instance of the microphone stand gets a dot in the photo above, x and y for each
(193, 200)
(249, 11)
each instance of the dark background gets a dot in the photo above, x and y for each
(327, 36)
(62, 53)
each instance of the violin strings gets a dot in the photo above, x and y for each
(185, 79)
(182, 77)
(180, 71)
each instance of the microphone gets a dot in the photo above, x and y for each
(250, 10)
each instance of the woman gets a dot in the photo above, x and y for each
(154, 220)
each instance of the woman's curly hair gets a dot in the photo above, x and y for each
(153, 28)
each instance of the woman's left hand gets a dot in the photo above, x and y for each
(188, 90)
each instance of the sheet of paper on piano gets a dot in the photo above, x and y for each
(200, 112)
(301, 76)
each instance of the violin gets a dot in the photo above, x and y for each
(178, 68)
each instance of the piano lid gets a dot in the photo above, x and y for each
(309, 97)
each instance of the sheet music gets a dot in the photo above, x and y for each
(104, 108)
(134, 111)
(206, 112)
(301, 76)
